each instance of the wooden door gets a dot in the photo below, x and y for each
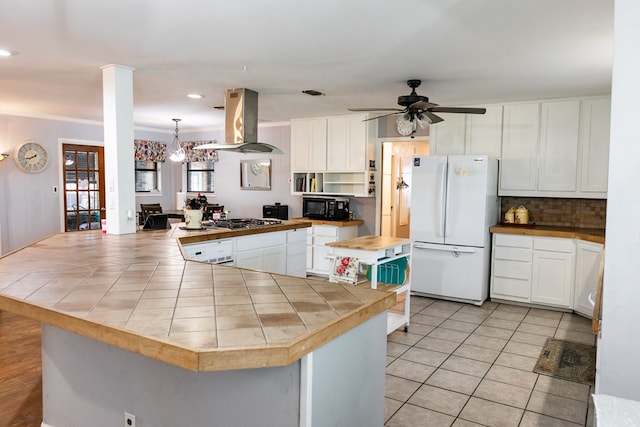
(84, 197)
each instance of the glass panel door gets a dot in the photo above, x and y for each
(83, 187)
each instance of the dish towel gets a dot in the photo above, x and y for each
(345, 269)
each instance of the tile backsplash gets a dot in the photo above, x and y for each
(584, 213)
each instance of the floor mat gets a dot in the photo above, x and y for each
(567, 360)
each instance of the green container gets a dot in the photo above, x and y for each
(392, 272)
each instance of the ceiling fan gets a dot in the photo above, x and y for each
(418, 110)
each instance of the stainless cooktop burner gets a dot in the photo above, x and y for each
(245, 222)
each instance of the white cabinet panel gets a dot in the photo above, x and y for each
(309, 144)
(595, 124)
(588, 258)
(346, 143)
(447, 137)
(519, 165)
(552, 278)
(319, 256)
(558, 155)
(484, 132)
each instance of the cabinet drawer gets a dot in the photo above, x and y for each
(512, 269)
(325, 230)
(512, 240)
(259, 241)
(554, 245)
(298, 235)
(510, 253)
(519, 290)
(320, 241)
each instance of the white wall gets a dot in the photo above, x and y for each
(619, 346)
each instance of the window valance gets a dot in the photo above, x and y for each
(150, 151)
(206, 155)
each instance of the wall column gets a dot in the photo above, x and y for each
(117, 83)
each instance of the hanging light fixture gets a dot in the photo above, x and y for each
(176, 152)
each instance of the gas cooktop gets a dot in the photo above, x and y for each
(245, 222)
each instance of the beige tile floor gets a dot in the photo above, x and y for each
(460, 365)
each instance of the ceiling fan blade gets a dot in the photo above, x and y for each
(466, 110)
(433, 117)
(422, 105)
(374, 109)
(384, 115)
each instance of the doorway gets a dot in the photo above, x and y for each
(84, 198)
(396, 185)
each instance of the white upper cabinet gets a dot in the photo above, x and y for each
(519, 160)
(347, 143)
(595, 123)
(447, 137)
(468, 133)
(556, 148)
(309, 144)
(330, 155)
(558, 151)
(484, 132)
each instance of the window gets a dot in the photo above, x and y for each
(200, 177)
(147, 176)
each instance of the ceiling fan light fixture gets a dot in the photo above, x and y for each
(176, 152)
(423, 120)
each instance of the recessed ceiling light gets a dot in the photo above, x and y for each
(5, 52)
(312, 92)
(194, 96)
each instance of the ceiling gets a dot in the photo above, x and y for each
(359, 53)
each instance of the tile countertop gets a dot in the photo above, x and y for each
(595, 235)
(136, 292)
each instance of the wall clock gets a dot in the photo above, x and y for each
(31, 157)
(256, 168)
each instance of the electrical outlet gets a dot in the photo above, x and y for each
(129, 420)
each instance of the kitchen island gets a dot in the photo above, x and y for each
(130, 326)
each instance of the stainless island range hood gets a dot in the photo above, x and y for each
(241, 124)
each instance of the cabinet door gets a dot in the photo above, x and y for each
(552, 278)
(347, 143)
(595, 123)
(275, 260)
(484, 132)
(309, 144)
(448, 137)
(588, 256)
(558, 155)
(249, 259)
(519, 158)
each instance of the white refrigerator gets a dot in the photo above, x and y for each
(454, 201)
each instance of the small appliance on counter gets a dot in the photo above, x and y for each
(277, 211)
(325, 208)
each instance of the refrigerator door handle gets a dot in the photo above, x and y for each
(443, 198)
(446, 248)
(447, 226)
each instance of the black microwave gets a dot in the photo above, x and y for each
(325, 208)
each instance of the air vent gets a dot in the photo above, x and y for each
(218, 107)
(312, 92)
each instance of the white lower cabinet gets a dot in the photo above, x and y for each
(549, 271)
(319, 256)
(297, 252)
(263, 252)
(588, 258)
(552, 275)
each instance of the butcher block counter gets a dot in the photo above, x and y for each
(595, 235)
(120, 313)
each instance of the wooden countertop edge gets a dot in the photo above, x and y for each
(216, 234)
(594, 237)
(339, 223)
(223, 359)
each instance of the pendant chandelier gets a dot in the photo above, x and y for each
(176, 152)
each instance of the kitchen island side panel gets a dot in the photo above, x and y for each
(89, 383)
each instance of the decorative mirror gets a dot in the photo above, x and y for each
(255, 174)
